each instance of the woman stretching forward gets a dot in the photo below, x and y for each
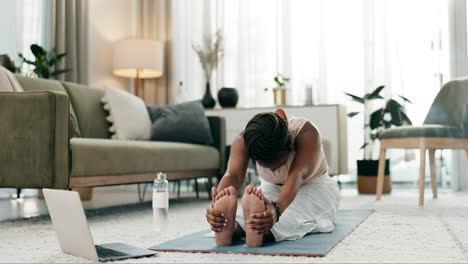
(297, 196)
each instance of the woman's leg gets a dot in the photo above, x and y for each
(226, 202)
(252, 203)
(313, 210)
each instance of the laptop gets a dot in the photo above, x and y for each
(69, 221)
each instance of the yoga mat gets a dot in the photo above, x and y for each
(311, 245)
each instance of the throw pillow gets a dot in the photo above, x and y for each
(128, 114)
(8, 81)
(184, 122)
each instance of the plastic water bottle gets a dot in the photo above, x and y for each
(160, 202)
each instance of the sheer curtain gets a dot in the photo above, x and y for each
(336, 45)
(189, 24)
(458, 68)
(22, 24)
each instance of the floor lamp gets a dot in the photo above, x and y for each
(138, 59)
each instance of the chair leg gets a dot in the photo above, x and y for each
(422, 174)
(433, 172)
(380, 175)
(196, 188)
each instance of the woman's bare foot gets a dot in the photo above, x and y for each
(226, 202)
(252, 203)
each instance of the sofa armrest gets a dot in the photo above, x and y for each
(34, 140)
(218, 130)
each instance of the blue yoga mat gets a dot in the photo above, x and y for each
(312, 245)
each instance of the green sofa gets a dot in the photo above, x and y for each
(55, 135)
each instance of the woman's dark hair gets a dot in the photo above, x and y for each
(266, 136)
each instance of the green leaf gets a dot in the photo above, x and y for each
(364, 145)
(376, 93)
(405, 118)
(374, 135)
(393, 107)
(37, 51)
(352, 114)
(374, 97)
(276, 79)
(61, 55)
(265, 89)
(42, 72)
(58, 72)
(29, 62)
(405, 99)
(356, 98)
(376, 119)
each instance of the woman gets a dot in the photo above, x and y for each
(296, 197)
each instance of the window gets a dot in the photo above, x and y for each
(21, 24)
(336, 45)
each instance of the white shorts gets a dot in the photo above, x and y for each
(313, 209)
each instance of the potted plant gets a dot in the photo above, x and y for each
(391, 114)
(210, 54)
(279, 91)
(45, 62)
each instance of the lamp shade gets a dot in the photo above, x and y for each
(138, 55)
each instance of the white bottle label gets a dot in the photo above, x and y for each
(160, 200)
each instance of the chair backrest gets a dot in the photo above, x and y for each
(450, 107)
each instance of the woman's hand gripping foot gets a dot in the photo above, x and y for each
(221, 215)
(257, 214)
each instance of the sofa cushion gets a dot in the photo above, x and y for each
(38, 84)
(87, 103)
(97, 157)
(8, 82)
(128, 114)
(185, 122)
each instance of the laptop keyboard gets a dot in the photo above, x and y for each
(108, 253)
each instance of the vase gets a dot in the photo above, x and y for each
(228, 97)
(279, 96)
(208, 100)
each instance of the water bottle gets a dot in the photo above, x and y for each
(160, 202)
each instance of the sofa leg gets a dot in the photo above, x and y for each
(18, 193)
(141, 192)
(196, 188)
(178, 188)
(208, 186)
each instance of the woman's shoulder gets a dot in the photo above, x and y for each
(300, 125)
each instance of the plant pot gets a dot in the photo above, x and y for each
(367, 171)
(280, 96)
(228, 97)
(208, 100)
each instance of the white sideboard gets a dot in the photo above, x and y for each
(331, 120)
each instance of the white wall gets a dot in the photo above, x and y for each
(109, 20)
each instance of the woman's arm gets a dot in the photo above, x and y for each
(237, 165)
(308, 147)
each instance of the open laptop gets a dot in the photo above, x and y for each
(69, 221)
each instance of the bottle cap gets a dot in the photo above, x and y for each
(161, 176)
